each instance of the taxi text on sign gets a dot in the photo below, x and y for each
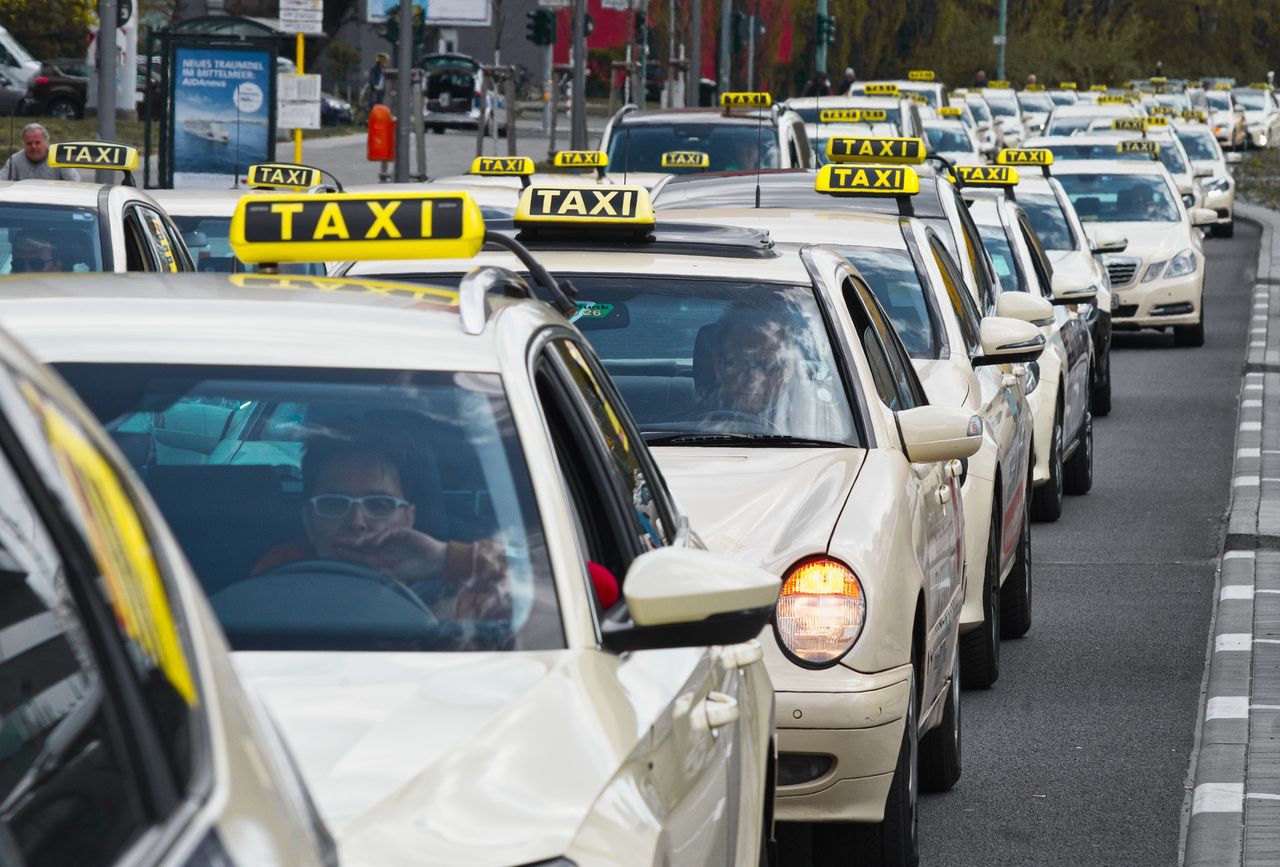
(502, 166)
(93, 155)
(867, 180)
(581, 159)
(615, 205)
(745, 100)
(284, 175)
(855, 149)
(987, 176)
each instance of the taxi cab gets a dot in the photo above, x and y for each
(952, 140)
(921, 82)
(1158, 282)
(1002, 99)
(749, 132)
(787, 416)
(823, 115)
(1067, 120)
(1060, 399)
(1261, 114)
(128, 738)
(1036, 105)
(1226, 116)
(1207, 156)
(78, 226)
(436, 542)
(957, 353)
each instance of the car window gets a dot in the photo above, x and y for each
(1199, 144)
(1047, 218)
(163, 254)
(898, 286)
(895, 378)
(977, 259)
(1110, 198)
(948, 139)
(1039, 261)
(638, 147)
(340, 509)
(49, 238)
(209, 241)
(961, 301)
(1012, 278)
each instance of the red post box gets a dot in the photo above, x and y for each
(382, 134)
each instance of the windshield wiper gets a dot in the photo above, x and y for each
(668, 438)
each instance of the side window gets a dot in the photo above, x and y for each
(138, 255)
(1039, 261)
(802, 145)
(891, 370)
(631, 464)
(978, 259)
(961, 301)
(162, 249)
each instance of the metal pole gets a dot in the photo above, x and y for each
(1004, 17)
(726, 10)
(404, 91)
(509, 94)
(820, 58)
(548, 89)
(297, 133)
(107, 70)
(751, 51)
(419, 129)
(555, 112)
(671, 54)
(693, 78)
(578, 126)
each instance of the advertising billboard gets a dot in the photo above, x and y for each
(447, 13)
(223, 117)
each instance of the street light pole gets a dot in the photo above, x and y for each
(726, 12)
(107, 70)
(1004, 17)
(578, 125)
(404, 91)
(693, 78)
(820, 59)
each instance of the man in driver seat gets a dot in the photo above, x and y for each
(752, 364)
(359, 507)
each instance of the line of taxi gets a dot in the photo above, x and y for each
(654, 515)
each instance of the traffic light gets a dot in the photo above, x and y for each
(641, 23)
(540, 29)
(739, 31)
(826, 30)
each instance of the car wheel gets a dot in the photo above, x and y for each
(940, 749)
(64, 109)
(1225, 231)
(1189, 335)
(1077, 477)
(437, 129)
(896, 840)
(1046, 501)
(980, 649)
(1100, 396)
(1015, 593)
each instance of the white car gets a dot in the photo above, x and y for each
(1003, 102)
(1070, 119)
(1036, 106)
(900, 113)
(1158, 281)
(1158, 143)
(438, 546)
(1261, 114)
(952, 140)
(1226, 116)
(1218, 182)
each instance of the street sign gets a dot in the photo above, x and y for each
(999, 40)
(302, 16)
(618, 5)
(555, 4)
(298, 102)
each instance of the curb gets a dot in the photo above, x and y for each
(1240, 696)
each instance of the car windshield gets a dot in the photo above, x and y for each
(1039, 102)
(340, 509)
(209, 240)
(1006, 264)
(701, 359)
(1251, 100)
(980, 110)
(1047, 218)
(896, 283)
(1169, 156)
(1067, 124)
(810, 115)
(730, 146)
(1062, 97)
(943, 138)
(929, 93)
(1108, 198)
(1198, 143)
(49, 238)
(1218, 100)
(1003, 106)
(1174, 100)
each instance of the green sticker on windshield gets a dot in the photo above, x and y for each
(592, 310)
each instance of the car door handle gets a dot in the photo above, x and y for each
(943, 494)
(741, 655)
(719, 709)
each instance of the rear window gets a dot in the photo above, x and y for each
(948, 139)
(730, 146)
(36, 238)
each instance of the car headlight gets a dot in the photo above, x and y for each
(1153, 270)
(1182, 264)
(1217, 185)
(1188, 200)
(820, 614)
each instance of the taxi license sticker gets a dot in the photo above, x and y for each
(870, 180)
(1130, 124)
(612, 205)
(921, 75)
(854, 149)
(752, 99)
(999, 84)
(950, 111)
(580, 159)
(987, 176)
(416, 292)
(686, 160)
(505, 167)
(881, 89)
(1066, 85)
(1139, 146)
(1025, 157)
(93, 155)
(591, 310)
(340, 226)
(284, 176)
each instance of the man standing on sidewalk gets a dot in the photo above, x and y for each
(378, 79)
(33, 160)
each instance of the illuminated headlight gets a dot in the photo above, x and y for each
(1188, 200)
(1182, 264)
(1217, 185)
(1153, 270)
(820, 613)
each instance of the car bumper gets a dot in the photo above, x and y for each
(1159, 303)
(1223, 203)
(856, 721)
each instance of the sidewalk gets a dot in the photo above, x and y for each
(1234, 815)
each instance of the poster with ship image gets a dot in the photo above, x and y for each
(223, 113)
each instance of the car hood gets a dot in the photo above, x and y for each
(422, 758)
(1148, 240)
(1219, 169)
(766, 506)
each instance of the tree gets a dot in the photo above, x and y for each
(50, 28)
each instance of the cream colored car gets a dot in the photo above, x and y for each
(1214, 168)
(1158, 281)
(789, 420)
(441, 551)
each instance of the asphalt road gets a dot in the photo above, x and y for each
(1079, 754)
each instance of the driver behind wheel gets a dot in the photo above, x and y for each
(752, 362)
(359, 507)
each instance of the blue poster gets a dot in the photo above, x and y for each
(221, 114)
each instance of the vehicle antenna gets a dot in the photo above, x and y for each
(626, 155)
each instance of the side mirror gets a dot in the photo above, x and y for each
(1203, 217)
(1066, 291)
(1008, 341)
(1025, 307)
(686, 597)
(939, 433)
(1108, 242)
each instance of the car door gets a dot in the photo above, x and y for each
(696, 772)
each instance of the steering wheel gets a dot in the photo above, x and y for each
(350, 570)
(733, 416)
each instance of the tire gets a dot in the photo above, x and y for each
(1046, 500)
(940, 764)
(1227, 231)
(64, 109)
(1015, 593)
(896, 840)
(979, 650)
(1077, 476)
(436, 129)
(1100, 396)
(1189, 335)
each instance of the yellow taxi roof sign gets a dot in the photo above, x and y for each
(881, 88)
(1113, 99)
(1163, 110)
(859, 149)
(1025, 157)
(921, 75)
(1195, 114)
(1260, 85)
(918, 97)
(502, 167)
(288, 176)
(840, 115)
(613, 206)
(104, 155)
(1158, 79)
(1066, 85)
(1098, 88)
(986, 176)
(686, 160)
(950, 111)
(999, 84)
(330, 227)
(1156, 121)
(867, 180)
(745, 99)
(1034, 88)
(1222, 85)
(1130, 124)
(1139, 146)
(580, 159)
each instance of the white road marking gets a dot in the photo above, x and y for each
(1239, 555)
(1249, 453)
(1262, 796)
(1227, 707)
(1246, 481)
(1228, 641)
(1237, 591)
(1218, 798)
(1266, 641)
(1250, 425)
(1250, 403)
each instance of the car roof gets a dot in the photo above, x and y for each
(787, 188)
(214, 202)
(858, 101)
(1109, 167)
(700, 115)
(73, 193)
(245, 319)
(800, 225)
(1092, 109)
